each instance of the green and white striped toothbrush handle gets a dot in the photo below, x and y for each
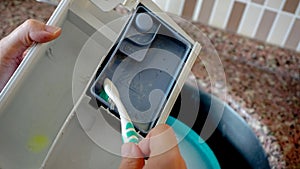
(128, 132)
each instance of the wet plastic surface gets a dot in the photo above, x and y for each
(144, 65)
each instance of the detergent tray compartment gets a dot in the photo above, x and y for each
(148, 64)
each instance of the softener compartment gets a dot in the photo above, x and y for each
(145, 65)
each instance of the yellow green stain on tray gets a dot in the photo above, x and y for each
(37, 143)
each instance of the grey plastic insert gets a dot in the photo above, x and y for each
(144, 67)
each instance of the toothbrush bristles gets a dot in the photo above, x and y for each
(112, 105)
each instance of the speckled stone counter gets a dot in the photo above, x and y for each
(263, 86)
(263, 81)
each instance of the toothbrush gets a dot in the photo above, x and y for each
(128, 132)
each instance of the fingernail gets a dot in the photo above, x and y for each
(130, 150)
(52, 29)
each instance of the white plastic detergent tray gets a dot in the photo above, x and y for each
(55, 104)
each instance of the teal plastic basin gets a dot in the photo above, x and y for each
(194, 150)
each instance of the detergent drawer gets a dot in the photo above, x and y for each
(42, 93)
(49, 95)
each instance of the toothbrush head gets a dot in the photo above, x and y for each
(113, 94)
(128, 132)
(111, 90)
(106, 98)
(104, 95)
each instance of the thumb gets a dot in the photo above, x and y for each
(132, 157)
(13, 46)
(27, 33)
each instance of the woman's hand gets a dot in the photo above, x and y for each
(13, 46)
(160, 146)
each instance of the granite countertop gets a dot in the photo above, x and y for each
(263, 81)
(263, 86)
